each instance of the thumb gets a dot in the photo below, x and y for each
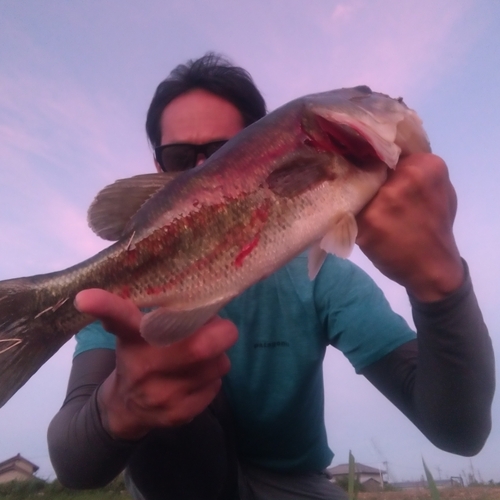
(119, 316)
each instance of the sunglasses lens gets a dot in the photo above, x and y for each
(177, 157)
(212, 147)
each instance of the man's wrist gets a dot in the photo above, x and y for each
(438, 283)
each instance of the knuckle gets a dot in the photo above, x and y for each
(182, 409)
(224, 335)
(231, 331)
(157, 395)
(199, 350)
(373, 221)
(151, 400)
(224, 365)
(428, 169)
(437, 172)
(212, 340)
(132, 373)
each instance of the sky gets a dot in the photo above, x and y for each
(76, 79)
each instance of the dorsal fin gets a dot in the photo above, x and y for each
(116, 204)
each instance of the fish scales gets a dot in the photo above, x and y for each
(189, 243)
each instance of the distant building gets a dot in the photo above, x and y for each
(372, 479)
(17, 469)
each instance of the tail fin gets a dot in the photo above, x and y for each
(34, 324)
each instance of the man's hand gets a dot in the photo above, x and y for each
(154, 386)
(407, 229)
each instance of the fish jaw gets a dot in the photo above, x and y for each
(362, 124)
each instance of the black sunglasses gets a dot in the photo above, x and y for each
(183, 156)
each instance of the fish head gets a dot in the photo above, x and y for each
(363, 126)
(356, 136)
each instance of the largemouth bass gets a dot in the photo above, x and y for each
(188, 243)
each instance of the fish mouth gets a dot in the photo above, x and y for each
(343, 140)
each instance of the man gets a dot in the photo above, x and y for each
(160, 412)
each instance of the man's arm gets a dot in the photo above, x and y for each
(82, 452)
(444, 381)
(115, 399)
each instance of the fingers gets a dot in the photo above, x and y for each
(122, 318)
(424, 179)
(162, 386)
(118, 316)
(418, 187)
(143, 415)
(212, 339)
(419, 174)
(407, 229)
(193, 405)
(176, 392)
(155, 386)
(185, 359)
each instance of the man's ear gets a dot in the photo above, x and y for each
(157, 166)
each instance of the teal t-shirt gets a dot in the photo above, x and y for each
(285, 323)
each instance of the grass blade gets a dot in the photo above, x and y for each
(351, 477)
(430, 481)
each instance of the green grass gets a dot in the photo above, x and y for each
(36, 489)
(430, 482)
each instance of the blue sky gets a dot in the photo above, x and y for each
(77, 77)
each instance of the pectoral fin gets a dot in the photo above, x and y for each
(315, 260)
(164, 326)
(340, 238)
(116, 204)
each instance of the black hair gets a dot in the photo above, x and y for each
(212, 73)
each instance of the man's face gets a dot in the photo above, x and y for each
(198, 117)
